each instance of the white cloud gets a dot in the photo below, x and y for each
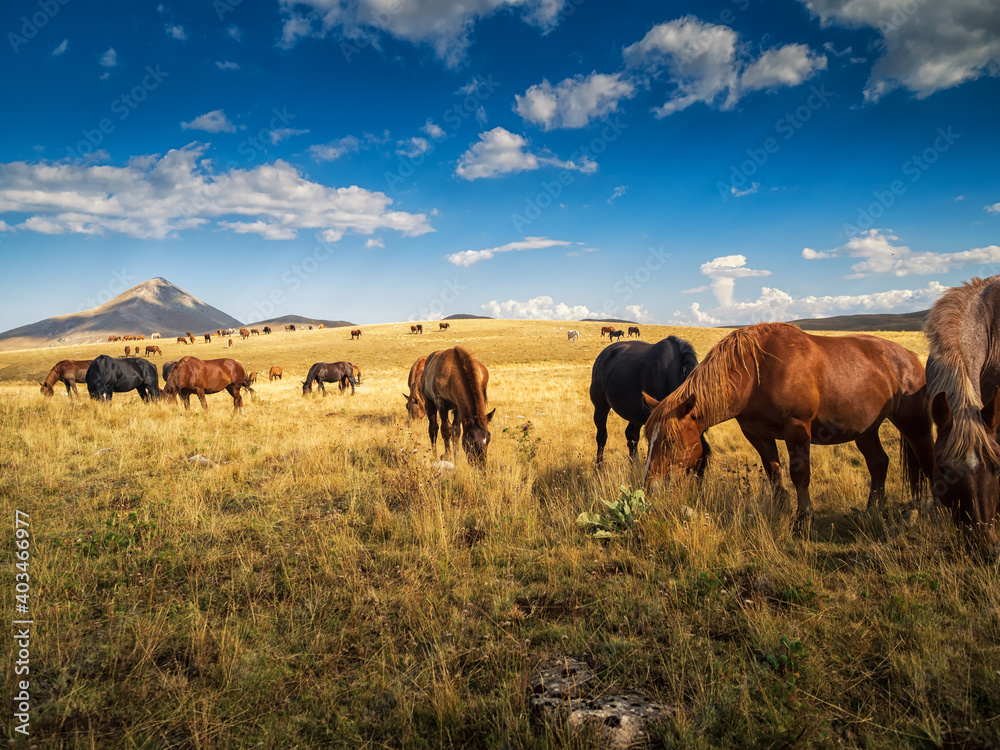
(374, 242)
(109, 59)
(154, 197)
(434, 131)
(277, 136)
(775, 305)
(809, 254)
(481, 115)
(929, 46)
(574, 102)
(995, 208)
(500, 152)
(639, 314)
(617, 193)
(444, 25)
(235, 33)
(754, 187)
(706, 62)
(61, 48)
(723, 271)
(468, 257)
(413, 147)
(177, 32)
(880, 256)
(211, 122)
(226, 65)
(335, 149)
(543, 308)
(961, 198)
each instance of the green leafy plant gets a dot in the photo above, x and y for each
(623, 515)
(526, 443)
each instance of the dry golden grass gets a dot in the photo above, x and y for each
(324, 586)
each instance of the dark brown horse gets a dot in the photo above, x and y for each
(191, 375)
(453, 381)
(781, 383)
(415, 408)
(69, 372)
(444, 326)
(635, 330)
(208, 338)
(153, 350)
(329, 372)
(355, 334)
(612, 335)
(963, 376)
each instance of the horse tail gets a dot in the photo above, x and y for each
(689, 359)
(915, 478)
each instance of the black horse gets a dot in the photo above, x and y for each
(329, 372)
(106, 376)
(623, 371)
(267, 330)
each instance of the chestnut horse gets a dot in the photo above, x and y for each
(635, 330)
(191, 375)
(444, 326)
(355, 334)
(963, 372)
(69, 372)
(415, 408)
(274, 373)
(153, 350)
(606, 329)
(453, 381)
(329, 372)
(781, 383)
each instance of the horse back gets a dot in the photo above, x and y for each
(623, 371)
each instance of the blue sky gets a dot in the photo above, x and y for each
(708, 163)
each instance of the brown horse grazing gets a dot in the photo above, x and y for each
(191, 375)
(635, 330)
(208, 338)
(153, 350)
(453, 381)
(69, 372)
(606, 329)
(357, 373)
(254, 332)
(181, 340)
(274, 374)
(252, 377)
(329, 372)
(415, 408)
(355, 334)
(781, 383)
(963, 372)
(244, 333)
(413, 329)
(444, 326)
(128, 351)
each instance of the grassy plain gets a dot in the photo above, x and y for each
(321, 584)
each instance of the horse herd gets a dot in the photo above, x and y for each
(777, 381)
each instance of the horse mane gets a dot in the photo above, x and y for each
(471, 384)
(174, 376)
(714, 383)
(689, 359)
(55, 374)
(948, 370)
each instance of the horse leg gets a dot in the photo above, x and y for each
(186, 398)
(71, 384)
(601, 410)
(447, 432)
(878, 466)
(204, 401)
(234, 391)
(432, 425)
(767, 448)
(799, 471)
(632, 438)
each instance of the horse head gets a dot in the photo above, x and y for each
(673, 437)
(414, 409)
(306, 387)
(47, 389)
(969, 485)
(475, 441)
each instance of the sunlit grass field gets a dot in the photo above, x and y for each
(318, 582)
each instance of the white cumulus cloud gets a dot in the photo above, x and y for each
(154, 197)
(538, 308)
(109, 59)
(574, 102)
(211, 122)
(706, 62)
(928, 46)
(723, 271)
(499, 152)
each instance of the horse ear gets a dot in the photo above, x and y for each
(649, 402)
(684, 407)
(489, 417)
(991, 412)
(406, 397)
(941, 412)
